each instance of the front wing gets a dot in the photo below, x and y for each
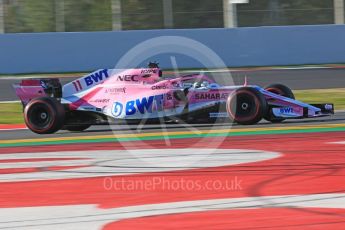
(283, 107)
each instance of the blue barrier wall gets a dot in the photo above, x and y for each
(260, 46)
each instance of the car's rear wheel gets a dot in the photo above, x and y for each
(44, 115)
(281, 90)
(246, 106)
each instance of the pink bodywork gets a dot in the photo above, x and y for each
(29, 89)
(123, 87)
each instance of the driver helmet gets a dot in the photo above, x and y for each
(155, 65)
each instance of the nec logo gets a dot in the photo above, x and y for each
(96, 77)
(128, 78)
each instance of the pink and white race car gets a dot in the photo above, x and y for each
(133, 95)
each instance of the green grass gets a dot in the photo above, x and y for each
(12, 113)
(335, 96)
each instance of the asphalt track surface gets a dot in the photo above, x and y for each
(295, 79)
(339, 117)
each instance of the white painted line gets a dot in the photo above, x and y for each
(87, 217)
(19, 77)
(9, 102)
(255, 69)
(338, 143)
(127, 162)
(35, 77)
(13, 129)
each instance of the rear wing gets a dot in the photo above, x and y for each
(29, 89)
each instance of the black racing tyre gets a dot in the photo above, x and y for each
(77, 128)
(281, 90)
(246, 106)
(44, 115)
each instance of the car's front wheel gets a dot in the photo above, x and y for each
(246, 106)
(281, 90)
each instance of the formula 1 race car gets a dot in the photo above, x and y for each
(134, 95)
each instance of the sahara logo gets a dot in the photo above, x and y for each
(211, 96)
(96, 77)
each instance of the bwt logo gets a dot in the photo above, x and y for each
(286, 110)
(144, 105)
(117, 109)
(96, 77)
